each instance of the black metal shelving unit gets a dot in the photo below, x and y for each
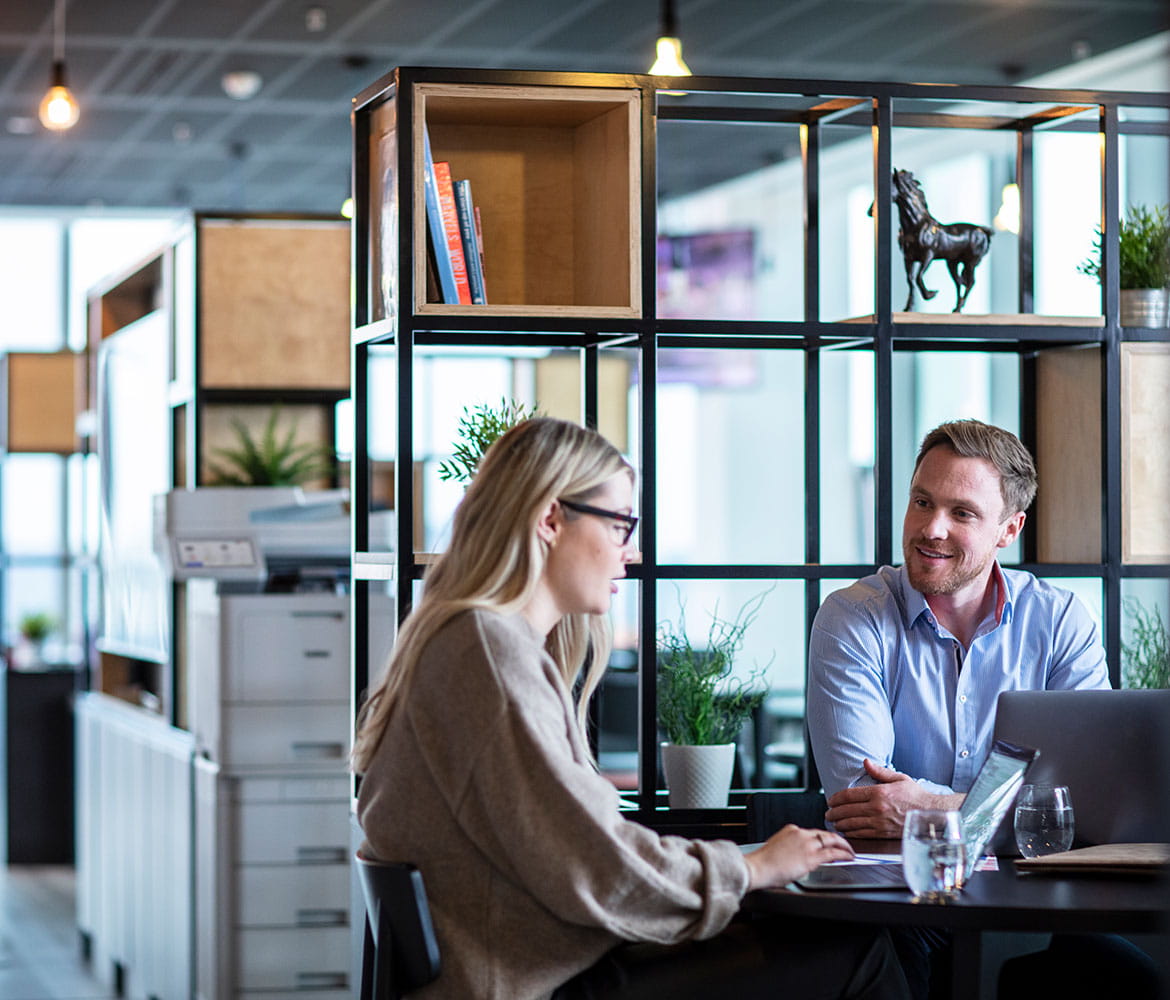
(386, 234)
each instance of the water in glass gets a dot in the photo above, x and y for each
(1043, 820)
(933, 854)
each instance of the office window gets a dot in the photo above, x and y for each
(847, 456)
(730, 470)
(771, 658)
(31, 267)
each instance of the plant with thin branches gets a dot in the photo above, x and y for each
(1145, 657)
(700, 702)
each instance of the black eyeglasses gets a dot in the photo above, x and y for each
(628, 521)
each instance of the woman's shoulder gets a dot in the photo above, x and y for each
(487, 624)
(498, 637)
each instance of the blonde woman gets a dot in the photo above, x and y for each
(476, 768)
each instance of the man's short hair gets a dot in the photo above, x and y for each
(975, 439)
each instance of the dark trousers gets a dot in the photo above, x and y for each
(751, 960)
(1072, 967)
(1083, 967)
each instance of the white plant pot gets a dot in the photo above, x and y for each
(698, 777)
(1144, 307)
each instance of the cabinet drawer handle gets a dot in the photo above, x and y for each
(321, 918)
(322, 981)
(318, 654)
(318, 751)
(320, 855)
(335, 615)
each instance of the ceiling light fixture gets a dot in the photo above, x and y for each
(1007, 219)
(58, 110)
(316, 19)
(669, 47)
(241, 84)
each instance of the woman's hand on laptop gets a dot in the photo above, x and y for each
(877, 811)
(792, 852)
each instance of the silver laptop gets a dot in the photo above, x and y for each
(991, 795)
(1112, 750)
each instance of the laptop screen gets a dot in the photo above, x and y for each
(1111, 748)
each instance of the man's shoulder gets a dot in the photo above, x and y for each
(1027, 587)
(878, 588)
(878, 596)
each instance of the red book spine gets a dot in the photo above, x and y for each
(451, 227)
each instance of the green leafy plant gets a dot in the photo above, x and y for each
(1143, 249)
(273, 460)
(699, 701)
(478, 428)
(36, 626)
(1145, 658)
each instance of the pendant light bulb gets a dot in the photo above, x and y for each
(670, 60)
(58, 109)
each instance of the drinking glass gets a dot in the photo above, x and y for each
(933, 854)
(1044, 820)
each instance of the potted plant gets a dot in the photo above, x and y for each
(702, 706)
(1143, 265)
(1145, 658)
(35, 627)
(273, 460)
(478, 428)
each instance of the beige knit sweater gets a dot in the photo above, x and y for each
(484, 783)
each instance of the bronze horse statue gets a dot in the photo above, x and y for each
(922, 239)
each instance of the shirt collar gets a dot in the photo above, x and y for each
(914, 604)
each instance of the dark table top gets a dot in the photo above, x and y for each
(993, 900)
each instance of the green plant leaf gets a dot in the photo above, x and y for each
(479, 427)
(1143, 249)
(269, 461)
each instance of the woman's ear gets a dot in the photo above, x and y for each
(550, 522)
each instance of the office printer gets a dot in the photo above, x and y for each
(263, 598)
(259, 539)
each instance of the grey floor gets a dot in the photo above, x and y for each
(40, 955)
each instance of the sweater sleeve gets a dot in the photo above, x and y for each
(525, 793)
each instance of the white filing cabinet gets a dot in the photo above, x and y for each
(271, 717)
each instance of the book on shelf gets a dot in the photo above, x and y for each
(437, 231)
(452, 235)
(471, 241)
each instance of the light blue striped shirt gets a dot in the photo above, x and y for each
(885, 679)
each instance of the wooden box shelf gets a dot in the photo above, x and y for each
(273, 304)
(1145, 471)
(44, 393)
(555, 176)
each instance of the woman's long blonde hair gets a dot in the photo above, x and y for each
(495, 560)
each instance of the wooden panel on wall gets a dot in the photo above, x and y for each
(1067, 511)
(45, 392)
(1145, 453)
(274, 305)
(558, 393)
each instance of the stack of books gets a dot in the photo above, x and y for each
(456, 238)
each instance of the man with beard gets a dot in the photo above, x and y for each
(905, 666)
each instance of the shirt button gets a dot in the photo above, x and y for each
(963, 698)
(964, 753)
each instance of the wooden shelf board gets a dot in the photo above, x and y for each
(984, 319)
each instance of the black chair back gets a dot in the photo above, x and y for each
(767, 812)
(401, 952)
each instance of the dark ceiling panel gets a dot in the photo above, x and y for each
(108, 20)
(157, 129)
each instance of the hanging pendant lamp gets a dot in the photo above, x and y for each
(58, 110)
